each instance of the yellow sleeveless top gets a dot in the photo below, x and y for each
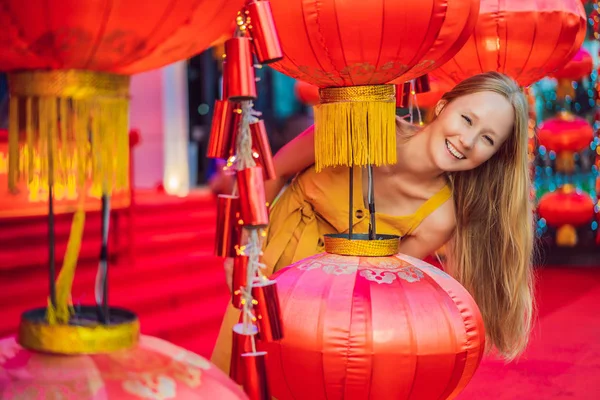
(316, 204)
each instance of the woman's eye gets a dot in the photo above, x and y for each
(489, 140)
(467, 119)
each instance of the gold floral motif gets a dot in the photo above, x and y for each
(378, 275)
(8, 350)
(333, 269)
(152, 387)
(193, 359)
(410, 274)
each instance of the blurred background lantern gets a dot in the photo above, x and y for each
(565, 135)
(566, 209)
(525, 39)
(371, 325)
(580, 66)
(350, 50)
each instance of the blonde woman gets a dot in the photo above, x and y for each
(461, 180)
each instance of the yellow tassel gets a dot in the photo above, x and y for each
(13, 143)
(60, 110)
(355, 126)
(566, 236)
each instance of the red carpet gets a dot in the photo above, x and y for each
(563, 359)
(178, 289)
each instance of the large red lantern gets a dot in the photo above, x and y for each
(69, 63)
(525, 39)
(566, 209)
(350, 49)
(565, 134)
(150, 369)
(362, 323)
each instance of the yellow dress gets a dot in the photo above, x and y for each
(313, 205)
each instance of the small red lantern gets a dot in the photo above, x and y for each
(580, 66)
(566, 209)
(525, 39)
(566, 134)
(362, 323)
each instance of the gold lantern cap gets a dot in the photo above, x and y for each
(84, 334)
(360, 245)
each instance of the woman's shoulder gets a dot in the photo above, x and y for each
(441, 221)
(405, 128)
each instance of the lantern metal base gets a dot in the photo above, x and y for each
(360, 245)
(85, 334)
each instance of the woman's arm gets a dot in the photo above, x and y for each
(294, 157)
(433, 233)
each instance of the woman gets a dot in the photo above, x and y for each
(464, 178)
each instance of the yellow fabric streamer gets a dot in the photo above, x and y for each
(355, 126)
(64, 283)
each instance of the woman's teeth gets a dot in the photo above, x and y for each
(457, 154)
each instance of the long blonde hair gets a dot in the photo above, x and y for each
(492, 248)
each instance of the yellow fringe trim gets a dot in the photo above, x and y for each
(355, 126)
(78, 121)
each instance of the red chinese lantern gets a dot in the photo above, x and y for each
(350, 49)
(69, 63)
(68, 66)
(525, 39)
(580, 66)
(566, 209)
(150, 369)
(361, 323)
(565, 134)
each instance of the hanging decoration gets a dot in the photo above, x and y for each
(68, 66)
(566, 209)
(565, 135)
(350, 50)
(240, 137)
(524, 39)
(580, 66)
(358, 314)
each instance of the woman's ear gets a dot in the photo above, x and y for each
(440, 106)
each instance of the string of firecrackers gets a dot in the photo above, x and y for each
(239, 136)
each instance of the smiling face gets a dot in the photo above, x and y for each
(469, 130)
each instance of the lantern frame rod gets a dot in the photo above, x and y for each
(51, 246)
(371, 201)
(103, 264)
(350, 201)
